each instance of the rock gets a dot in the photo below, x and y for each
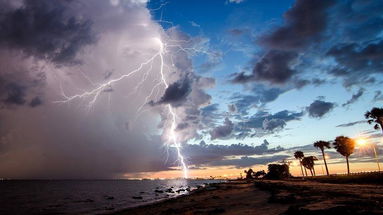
(180, 190)
(109, 197)
(170, 190)
(211, 188)
(137, 197)
(159, 191)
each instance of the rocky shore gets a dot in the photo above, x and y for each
(298, 197)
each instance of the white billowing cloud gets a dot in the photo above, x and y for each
(112, 136)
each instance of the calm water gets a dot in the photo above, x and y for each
(86, 197)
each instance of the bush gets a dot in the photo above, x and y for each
(277, 171)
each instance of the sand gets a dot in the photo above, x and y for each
(273, 197)
(227, 198)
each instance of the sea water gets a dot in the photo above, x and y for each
(87, 196)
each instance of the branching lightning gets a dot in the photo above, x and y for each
(93, 94)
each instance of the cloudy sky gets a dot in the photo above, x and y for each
(111, 89)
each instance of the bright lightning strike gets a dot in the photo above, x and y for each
(95, 93)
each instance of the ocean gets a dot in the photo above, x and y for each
(87, 196)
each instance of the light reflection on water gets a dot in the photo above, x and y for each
(87, 196)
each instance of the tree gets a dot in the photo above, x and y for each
(375, 115)
(259, 174)
(249, 173)
(299, 155)
(308, 162)
(278, 171)
(322, 145)
(345, 146)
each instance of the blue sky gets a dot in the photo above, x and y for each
(233, 30)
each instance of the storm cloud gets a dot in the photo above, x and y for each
(208, 154)
(176, 93)
(305, 22)
(45, 29)
(264, 123)
(223, 130)
(52, 50)
(319, 108)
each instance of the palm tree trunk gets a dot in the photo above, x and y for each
(348, 166)
(325, 163)
(300, 162)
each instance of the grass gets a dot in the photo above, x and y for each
(357, 178)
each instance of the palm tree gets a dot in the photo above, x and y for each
(375, 115)
(345, 146)
(299, 155)
(308, 162)
(321, 145)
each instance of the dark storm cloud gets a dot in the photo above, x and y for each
(360, 51)
(263, 123)
(176, 93)
(354, 97)
(260, 96)
(319, 108)
(273, 67)
(257, 120)
(14, 94)
(44, 29)
(357, 62)
(347, 33)
(35, 102)
(19, 85)
(204, 154)
(304, 22)
(351, 123)
(222, 131)
(273, 124)
(359, 57)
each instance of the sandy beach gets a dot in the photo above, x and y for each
(272, 197)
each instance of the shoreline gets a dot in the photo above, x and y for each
(232, 197)
(298, 197)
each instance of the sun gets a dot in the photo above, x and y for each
(361, 141)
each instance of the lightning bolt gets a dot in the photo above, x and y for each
(94, 93)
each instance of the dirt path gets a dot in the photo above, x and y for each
(308, 197)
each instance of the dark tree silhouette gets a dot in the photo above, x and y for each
(249, 173)
(345, 146)
(375, 115)
(299, 155)
(308, 162)
(259, 174)
(277, 171)
(322, 145)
